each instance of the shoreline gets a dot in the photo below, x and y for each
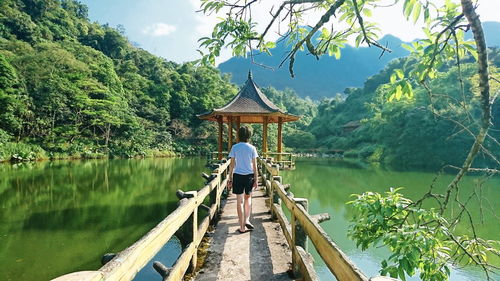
(152, 154)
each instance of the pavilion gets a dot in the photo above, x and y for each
(250, 105)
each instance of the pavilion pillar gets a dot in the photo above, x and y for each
(238, 125)
(280, 137)
(264, 136)
(219, 139)
(229, 132)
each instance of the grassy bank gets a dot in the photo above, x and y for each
(24, 152)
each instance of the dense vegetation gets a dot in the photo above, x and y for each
(72, 88)
(407, 134)
(69, 87)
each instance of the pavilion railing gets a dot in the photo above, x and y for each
(126, 264)
(213, 156)
(304, 226)
(284, 159)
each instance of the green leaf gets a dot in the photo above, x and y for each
(408, 7)
(367, 12)
(432, 74)
(334, 50)
(401, 273)
(393, 78)
(358, 39)
(416, 12)
(426, 15)
(325, 33)
(408, 89)
(344, 16)
(399, 73)
(471, 50)
(399, 92)
(270, 45)
(391, 97)
(407, 47)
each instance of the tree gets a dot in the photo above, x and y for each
(444, 27)
(179, 129)
(12, 99)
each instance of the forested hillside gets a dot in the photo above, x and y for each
(422, 132)
(69, 87)
(72, 88)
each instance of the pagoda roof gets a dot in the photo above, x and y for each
(251, 106)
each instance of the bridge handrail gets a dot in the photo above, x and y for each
(281, 157)
(304, 226)
(130, 261)
(285, 159)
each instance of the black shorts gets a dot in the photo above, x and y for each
(242, 183)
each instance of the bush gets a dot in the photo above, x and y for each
(377, 155)
(300, 139)
(4, 137)
(366, 151)
(353, 153)
(15, 151)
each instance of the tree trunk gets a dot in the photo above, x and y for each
(484, 90)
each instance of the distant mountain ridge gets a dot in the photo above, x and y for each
(328, 76)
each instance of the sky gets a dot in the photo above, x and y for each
(171, 28)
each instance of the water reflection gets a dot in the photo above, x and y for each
(60, 217)
(328, 184)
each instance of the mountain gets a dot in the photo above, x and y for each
(328, 76)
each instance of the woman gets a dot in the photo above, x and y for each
(243, 176)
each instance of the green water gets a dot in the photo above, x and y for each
(328, 184)
(60, 217)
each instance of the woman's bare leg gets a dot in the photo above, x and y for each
(239, 209)
(248, 208)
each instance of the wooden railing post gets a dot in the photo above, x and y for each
(299, 236)
(274, 197)
(189, 230)
(263, 175)
(275, 169)
(214, 197)
(226, 173)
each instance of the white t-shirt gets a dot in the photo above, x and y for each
(243, 154)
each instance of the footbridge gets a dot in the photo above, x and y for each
(277, 249)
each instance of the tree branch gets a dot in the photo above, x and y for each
(324, 19)
(477, 31)
(365, 36)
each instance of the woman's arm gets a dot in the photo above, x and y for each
(255, 174)
(230, 175)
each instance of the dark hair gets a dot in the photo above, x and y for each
(244, 133)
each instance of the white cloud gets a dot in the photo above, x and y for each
(159, 29)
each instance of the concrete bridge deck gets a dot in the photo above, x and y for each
(261, 254)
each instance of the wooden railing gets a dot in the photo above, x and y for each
(214, 155)
(284, 159)
(126, 264)
(304, 226)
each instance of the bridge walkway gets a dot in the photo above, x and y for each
(261, 254)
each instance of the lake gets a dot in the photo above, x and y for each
(61, 217)
(328, 184)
